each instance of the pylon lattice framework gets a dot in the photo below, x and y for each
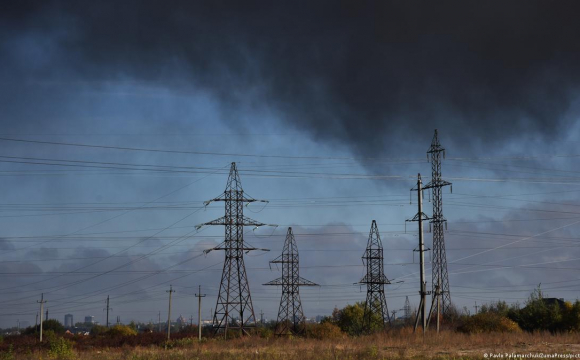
(407, 308)
(375, 279)
(440, 278)
(291, 318)
(234, 309)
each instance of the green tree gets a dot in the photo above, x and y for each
(350, 318)
(98, 329)
(51, 324)
(538, 315)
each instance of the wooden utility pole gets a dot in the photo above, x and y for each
(41, 302)
(199, 296)
(108, 308)
(170, 291)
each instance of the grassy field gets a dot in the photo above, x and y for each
(400, 344)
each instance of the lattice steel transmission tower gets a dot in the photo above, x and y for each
(407, 308)
(440, 278)
(234, 309)
(375, 279)
(290, 315)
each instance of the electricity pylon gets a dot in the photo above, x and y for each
(407, 308)
(375, 279)
(290, 315)
(234, 309)
(441, 300)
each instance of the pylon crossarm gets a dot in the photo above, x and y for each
(373, 279)
(224, 197)
(246, 221)
(304, 282)
(219, 198)
(436, 184)
(419, 217)
(219, 247)
(251, 222)
(223, 247)
(275, 282)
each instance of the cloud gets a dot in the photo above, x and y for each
(342, 72)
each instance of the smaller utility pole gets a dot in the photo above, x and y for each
(261, 317)
(107, 308)
(18, 325)
(170, 291)
(118, 319)
(159, 321)
(46, 318)
(199, 296)
(476, 307)
(420, 217)
(41, 302)
(36, 323)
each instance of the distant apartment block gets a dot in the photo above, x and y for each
(68, 320)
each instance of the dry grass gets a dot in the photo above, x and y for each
(400, 344)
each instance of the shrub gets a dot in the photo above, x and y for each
(488, 322)
(60, 348)
(538, 315)
(189, 329)
(48, 325)
(264, 332)
(499, 307)
(326, 330)
(121, 330)
(350, 319)
(98, 330)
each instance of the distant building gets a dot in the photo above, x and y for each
(555, 301)
(181, 321)
(68, 320)
(89, 319)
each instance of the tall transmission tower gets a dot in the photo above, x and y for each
(440, 278)
(234, 309)
(291, 320)
(375, 279)
(420, 217)
(407, 308)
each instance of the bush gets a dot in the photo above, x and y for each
(499, 307)
(350, 319)
(325, 330)
(98, 330)
(189, 329)
(264, 332)
(488, 322)
(538, 315)
(60, 348)
(121, 330)
(48, 325)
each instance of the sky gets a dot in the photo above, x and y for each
(119, 119)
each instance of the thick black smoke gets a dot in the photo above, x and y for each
(351, 71)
